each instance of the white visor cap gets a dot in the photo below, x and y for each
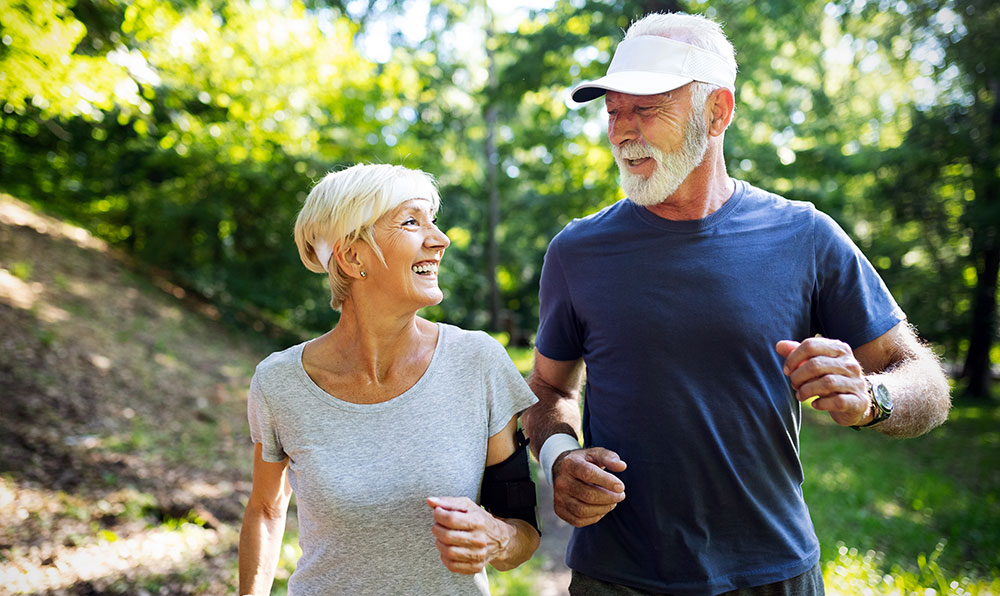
(650, 64)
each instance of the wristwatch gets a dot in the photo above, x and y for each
(881, 401)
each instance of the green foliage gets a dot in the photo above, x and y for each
(43, 66)
(943, 183)
(21, 270)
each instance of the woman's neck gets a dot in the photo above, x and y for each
(373, 345)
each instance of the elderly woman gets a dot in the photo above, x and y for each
(389, 428)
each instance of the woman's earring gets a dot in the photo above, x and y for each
(363, 274)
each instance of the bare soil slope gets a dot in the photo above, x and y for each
(124, 452)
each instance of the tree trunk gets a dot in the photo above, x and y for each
(492, 249)
(986, 249)
(977, 361)
(492, 167)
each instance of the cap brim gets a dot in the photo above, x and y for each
(630, 82)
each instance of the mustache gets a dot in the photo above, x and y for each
(633, 150)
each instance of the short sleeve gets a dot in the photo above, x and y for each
(852, 302)
(560, 335)
(262, 426)
(507, 393)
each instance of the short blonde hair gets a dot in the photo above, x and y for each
(343, 208)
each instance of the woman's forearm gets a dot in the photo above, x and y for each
(520, 543)
(260, 548)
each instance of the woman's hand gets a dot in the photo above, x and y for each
(468, 537)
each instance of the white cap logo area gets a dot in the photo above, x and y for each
(649, 64)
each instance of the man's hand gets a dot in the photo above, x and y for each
(583, 491)
(468, 537)
(827, 370)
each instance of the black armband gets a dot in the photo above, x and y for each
(508, 490)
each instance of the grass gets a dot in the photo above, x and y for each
(916, 516)
(516, 582)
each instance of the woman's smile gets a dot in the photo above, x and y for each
(426, 268)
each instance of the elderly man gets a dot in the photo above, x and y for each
(701, 312)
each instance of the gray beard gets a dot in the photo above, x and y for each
(671, 168)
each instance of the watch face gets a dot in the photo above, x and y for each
(882, 396)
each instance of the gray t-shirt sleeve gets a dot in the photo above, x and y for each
(262, 427)
(507, 393)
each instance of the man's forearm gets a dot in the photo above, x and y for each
(555, 412)
(920, 394)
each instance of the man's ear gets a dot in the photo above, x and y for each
(348, 258)
(721, 104)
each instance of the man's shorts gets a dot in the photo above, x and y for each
(809, 583)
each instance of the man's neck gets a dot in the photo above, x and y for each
(701, 194)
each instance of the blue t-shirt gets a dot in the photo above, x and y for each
(676, 322)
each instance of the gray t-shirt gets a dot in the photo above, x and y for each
(361, 472)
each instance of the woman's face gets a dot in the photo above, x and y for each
(412, 246)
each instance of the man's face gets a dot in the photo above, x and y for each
(657, 141)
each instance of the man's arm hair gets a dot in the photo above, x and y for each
(912, 373)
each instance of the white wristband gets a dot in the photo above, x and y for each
(553, 447)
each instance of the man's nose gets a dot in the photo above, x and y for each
(622, 128)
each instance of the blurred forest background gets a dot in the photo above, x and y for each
(183, 136)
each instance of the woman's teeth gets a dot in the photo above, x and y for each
(425, 268)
